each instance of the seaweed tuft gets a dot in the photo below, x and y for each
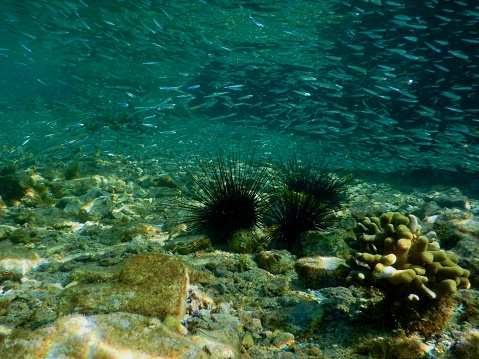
(11, 188)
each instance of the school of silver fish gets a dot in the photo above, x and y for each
(386, 84)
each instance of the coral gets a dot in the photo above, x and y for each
(391, 249)
(229, 195)
(412, 271)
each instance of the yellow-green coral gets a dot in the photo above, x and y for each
(391, 250)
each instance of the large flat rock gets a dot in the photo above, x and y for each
(149, 284)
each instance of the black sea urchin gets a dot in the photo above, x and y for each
(294, 213)
(229, 195)
(305, 201)
(320, 179)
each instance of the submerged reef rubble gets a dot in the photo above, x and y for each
(101, 266)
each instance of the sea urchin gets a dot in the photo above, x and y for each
(229, 195)
(320, 179)
(305, 201)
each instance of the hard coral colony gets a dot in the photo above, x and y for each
(416, 277)
(391, 248)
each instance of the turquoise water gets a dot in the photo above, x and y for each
(385, 86)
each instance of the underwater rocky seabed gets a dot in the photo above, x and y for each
(99, 265)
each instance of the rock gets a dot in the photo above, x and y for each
(318, 272)
(164, 181)
(275, 262)
(250, 323)
(112, 335)
(246, 263)
(428, 209)
(247, 341)
(276, 286)
(306, 316)
(15, 262)
(243, 241)
(450, 198)
(174, 324)
(70, 205)
(219, 336)
(5, 231)
(93, 273)
(323, 243)
(468, 250)
(96, 209)
(270, 285)
(24, 235)
(467, 347)
(282, 339)
(149, 284)
(77, 186)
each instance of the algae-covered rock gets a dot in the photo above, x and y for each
(270, 285)
(187, 246)
(318, 272)
(275, 261)
(148, 284)
(451, 198)
(282, 339)
(96, 209)
(93, 273)
(24, 235)
(323, 243)
(400, 347)
(109, 336)
(467, 346)
(12, 188)
(15, 262)
(247, 341)
(243, 241)
(5, 231)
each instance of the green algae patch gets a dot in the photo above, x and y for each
(149, 284)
